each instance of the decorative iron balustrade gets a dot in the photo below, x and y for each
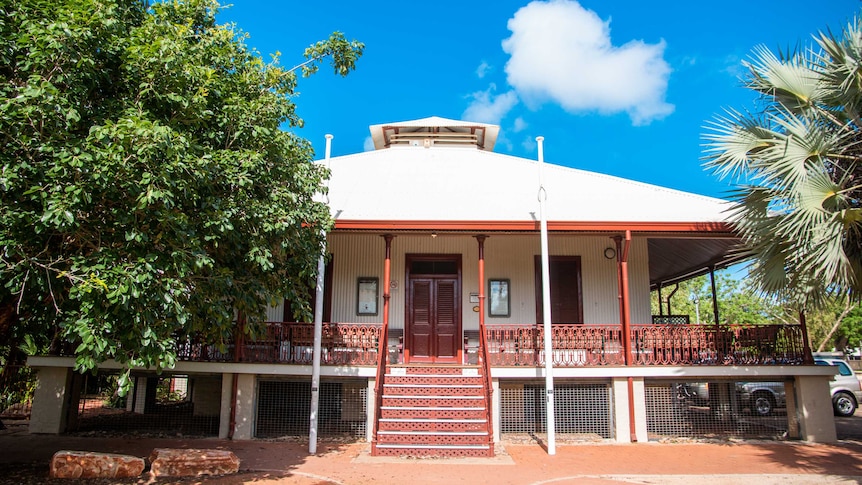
(575, 345)
(293, 343)
(728, 345)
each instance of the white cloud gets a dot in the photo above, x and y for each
(368, 144)
(520, 125)
(529, 144)
(483, 69)
(563, 52)
(488, 108)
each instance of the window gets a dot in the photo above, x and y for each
(366, 296)
(498, 298)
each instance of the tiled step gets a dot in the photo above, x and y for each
(430, 379)
(431, 412)
(433, 437)
(432, 390)
(431, 424)
(437, 401)
(436, 370)
(433, 450)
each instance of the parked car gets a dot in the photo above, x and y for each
(695, 392)
(846, 391)
(761, 397)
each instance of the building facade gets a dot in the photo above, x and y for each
(433, 339)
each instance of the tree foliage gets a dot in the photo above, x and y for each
(738, 302)
(796, 160)
(147, 187)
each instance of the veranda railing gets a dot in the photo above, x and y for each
(574, 345)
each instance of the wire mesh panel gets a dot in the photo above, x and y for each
(187, 405)
(716, 409)
(583, 409)
(284, 408)
(17, 385)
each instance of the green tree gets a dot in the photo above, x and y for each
(849, 334)
(738, 303)
(148, 189)
(834, 325)
(796, 164)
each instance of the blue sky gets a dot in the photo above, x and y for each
(618, 87)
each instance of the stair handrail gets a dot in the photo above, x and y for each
(485, 366)
(382, 354)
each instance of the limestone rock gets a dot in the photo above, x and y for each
(171, 462)
(85, 464)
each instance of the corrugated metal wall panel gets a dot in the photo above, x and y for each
(355, 256)
(639, 282)
(275, 313)
(506, 256)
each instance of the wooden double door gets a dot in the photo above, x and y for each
(433, 323)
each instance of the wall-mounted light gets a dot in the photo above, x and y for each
(610, 253)
(433, 235)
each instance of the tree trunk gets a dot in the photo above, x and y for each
(848, 307)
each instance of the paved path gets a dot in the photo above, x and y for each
(271, 462)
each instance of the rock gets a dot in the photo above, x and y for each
(170, 462)
(17, 411)
(85, 464)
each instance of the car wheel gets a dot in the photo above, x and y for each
(762, 403)
(844, 404)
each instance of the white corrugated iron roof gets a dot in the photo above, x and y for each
(461, 183)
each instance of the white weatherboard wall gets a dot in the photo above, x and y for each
(506, 256)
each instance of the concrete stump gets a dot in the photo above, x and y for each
(170, 462)
(85, 464)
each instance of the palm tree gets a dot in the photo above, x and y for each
(795, 162)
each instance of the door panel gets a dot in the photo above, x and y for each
(566, 293)
(421, 317)
(433, 327)
(446, 327)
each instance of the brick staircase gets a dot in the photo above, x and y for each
(433, 411)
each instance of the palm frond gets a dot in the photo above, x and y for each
(790, 81)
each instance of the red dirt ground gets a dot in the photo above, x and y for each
(271, 462)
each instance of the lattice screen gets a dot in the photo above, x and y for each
(283, 408)
(583, 409)
(716, 409)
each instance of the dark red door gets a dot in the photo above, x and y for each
(433, 318)
(566, 294)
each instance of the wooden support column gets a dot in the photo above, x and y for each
(714, 294)
(807, 356)
(383, 341)
(625, 320)
(481, 241)
(387, 281)
(721, 339)
(623, 293)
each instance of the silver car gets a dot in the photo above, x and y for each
(761, 397)
(846, 391)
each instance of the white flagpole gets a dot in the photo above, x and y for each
(318, 332)
(546, 306)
